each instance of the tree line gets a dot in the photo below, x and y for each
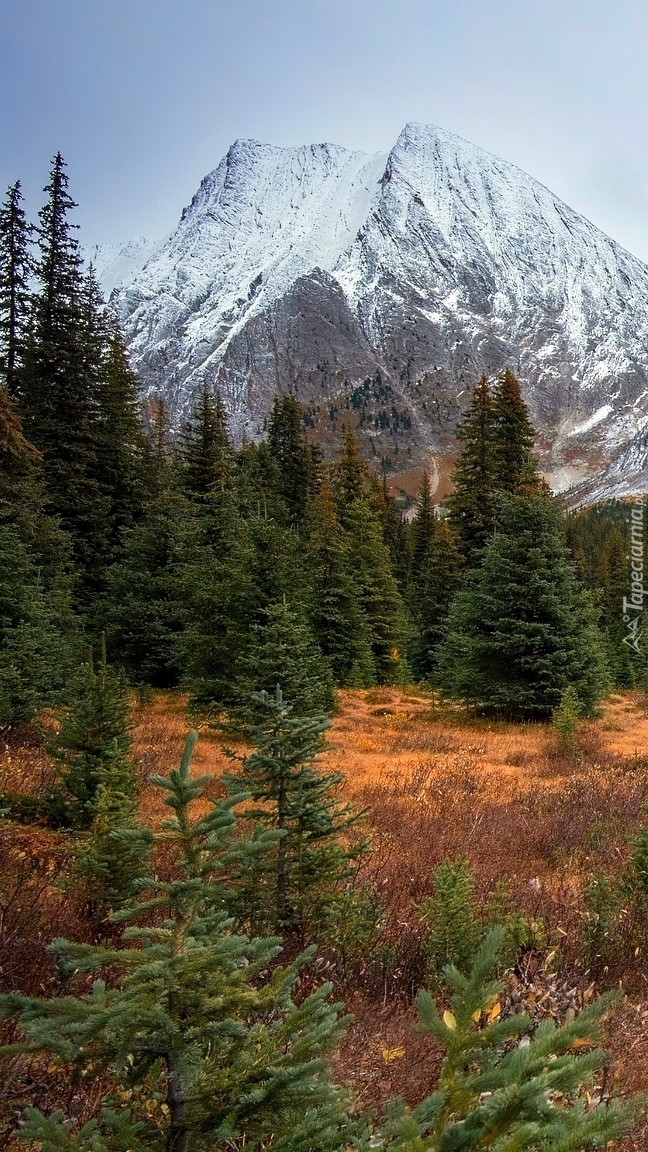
(260, 579)
(229, 570)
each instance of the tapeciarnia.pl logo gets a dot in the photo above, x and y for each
(633, 607)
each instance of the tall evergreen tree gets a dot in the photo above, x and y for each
(118, 435)
(612, 581)
(422, 532)
(142, 614)
(78, 399)
(522, 631)
(598, 539)
(91, 746)
(295, 458)
(205, 451)
(432, 595)
(335, 611)
(37, 626)
(15, 272)
(57, 383)
(350, 476)
(258, 485)
(194, 1006)
(370, 559)
(158, 457)
(290, 889)
(226, 586)
(471, 505)
(395, 528)
(283, 651)
(378, 594)
(513, 433)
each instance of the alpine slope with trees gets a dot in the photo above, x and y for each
(259, 580)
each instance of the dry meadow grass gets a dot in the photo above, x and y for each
(435, 783)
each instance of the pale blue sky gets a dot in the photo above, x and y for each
(143, 97)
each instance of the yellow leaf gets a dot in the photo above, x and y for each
(477, 1015)
(494, 1012)
(549, 958)
(389, 1054)
(581, 1042)
(449, 1020)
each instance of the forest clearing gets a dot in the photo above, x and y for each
(435, 784)
(469, 878)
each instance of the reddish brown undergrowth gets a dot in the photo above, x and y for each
(435, 783)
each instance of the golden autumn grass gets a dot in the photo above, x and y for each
(435, 783)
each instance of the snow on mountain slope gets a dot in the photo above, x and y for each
(117, 265)
(322, 271)
(263, 218)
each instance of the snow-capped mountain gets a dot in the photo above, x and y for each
(385, 285)
(117, 265)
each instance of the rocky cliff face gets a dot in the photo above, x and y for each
(377, 289)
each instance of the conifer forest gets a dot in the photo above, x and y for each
(321, 818)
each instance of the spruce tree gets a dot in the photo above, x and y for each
(205, 451)
(422, 533)
(378, 594)
(472, 506)
(612, 581)
(194, 1014)
(57, 383)
(282, 650)
(110, 863)
(258, 485)
(433, 578)
(295, 459)
(226, 585)
(513, 433)
(335, 611)
(91, 746)
(370, 560)
(37, 625)
(118, 436)
(455, 932)
(521, 632)
(431, 599)
(350, 476)
(502, 1085)
(395, 529)
(142, 614)
(159, 472)
(291, 888)
(15, 272)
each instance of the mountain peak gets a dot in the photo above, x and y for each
(312, 268)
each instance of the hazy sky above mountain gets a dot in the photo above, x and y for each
(143, 97)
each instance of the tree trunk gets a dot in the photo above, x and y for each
(282, 863)
(178, 1136)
